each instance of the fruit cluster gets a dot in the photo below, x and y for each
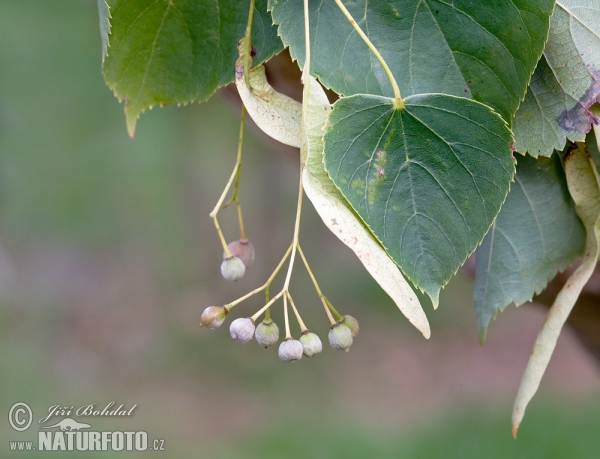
(242, 330)
(238, 256)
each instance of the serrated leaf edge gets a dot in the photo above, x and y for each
(435, 297)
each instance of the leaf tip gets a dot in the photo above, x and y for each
(131, 121)
(482, 335)
(435, 298)
(483, 322)
(515, 428)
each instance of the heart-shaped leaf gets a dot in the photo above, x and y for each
(341, 219)
(485, 50)
(179, 51)
(536, 234)
(428, 179)
(566, 81)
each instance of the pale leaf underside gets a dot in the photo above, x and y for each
(536, 234)
(565, 84)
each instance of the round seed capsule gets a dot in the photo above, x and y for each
(290, 350)
(242, 330)
(233, 269)
(311, 343)
(267, 333)
(213, 317)
(340, 337)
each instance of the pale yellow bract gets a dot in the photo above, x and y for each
(280, 116)
(583, 182)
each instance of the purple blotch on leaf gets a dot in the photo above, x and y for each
(579, 118)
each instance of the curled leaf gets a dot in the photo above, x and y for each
(278, 115)
(582, 179)
(341, 219)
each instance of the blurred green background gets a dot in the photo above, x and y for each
(108, 257)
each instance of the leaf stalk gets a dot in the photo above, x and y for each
(398, 101)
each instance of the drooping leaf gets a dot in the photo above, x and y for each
(179, 51)
(566, 81)
(104, 15)
(485, 50)
(536, 234)
(428, 180)
(278, 115)
(583, 182)
(341, 219)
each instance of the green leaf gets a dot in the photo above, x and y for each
(340, 218)
(484, 50)
(566, 82)
(536, 234)
(583, 183)
(179, 51)
(428, 180)
(104, 14)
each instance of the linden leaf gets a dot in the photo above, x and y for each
(428, 180)
(179, 51)
(583, 182)
(565, 84)
(341, 219)
(480, 49)
(536, 234)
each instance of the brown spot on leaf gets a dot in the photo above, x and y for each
(579, 118)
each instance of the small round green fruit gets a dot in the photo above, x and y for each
(267, 333)
(233, 269)
(311, 343)
(352, 324)
(340, 337)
